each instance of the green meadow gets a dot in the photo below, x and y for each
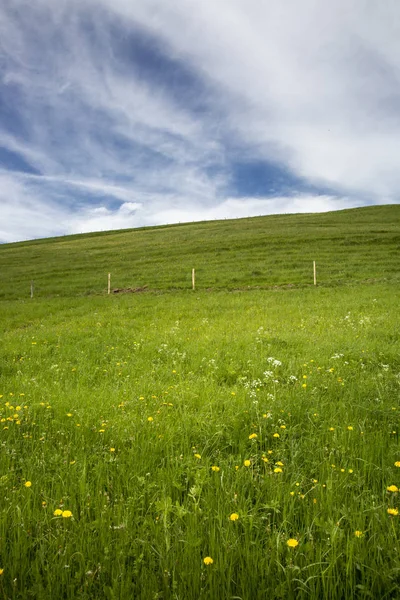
(261, 252)
(239, 441)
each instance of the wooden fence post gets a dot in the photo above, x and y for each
(193, 280)
(32, 288)
(315, 273)
(109, 283)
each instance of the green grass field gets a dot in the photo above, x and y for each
(348, 246)
(217, 444)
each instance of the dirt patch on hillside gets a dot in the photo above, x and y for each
(137, 290)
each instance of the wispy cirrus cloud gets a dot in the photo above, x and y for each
(124, 113)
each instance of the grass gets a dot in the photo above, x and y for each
(261, 252)
(170, 428)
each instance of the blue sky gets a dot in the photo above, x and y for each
(129, 113)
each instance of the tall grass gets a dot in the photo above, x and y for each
(188, 426)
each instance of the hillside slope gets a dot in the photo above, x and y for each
(348, 246)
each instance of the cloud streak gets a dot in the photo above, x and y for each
(123, 113)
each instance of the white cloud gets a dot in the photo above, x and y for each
(25, 214)
(236, 208)
(312, 86)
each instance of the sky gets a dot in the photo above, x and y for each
(130, 113)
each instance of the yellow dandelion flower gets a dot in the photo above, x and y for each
(58, 512)
(276, 435)
(28, 484)
(358, 533)
(252, 436)
(69, 414)
(215, 468)
(393, 511)
(150, 419)
(101, 430)
(304, 385)
(265, 459)
(234, 517)
(247, 463)
(291, 493)
(278, 470)
(66, 514)
(397, 463)
(270, 451)
(350, 428)
(1, 571)
(279, 463)
(112, 449)
(208, 560)
(198, 456)
(292, 543)
(331, 429)
(392, 488)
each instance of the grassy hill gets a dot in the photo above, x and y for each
(348, 246)
(203, 446)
